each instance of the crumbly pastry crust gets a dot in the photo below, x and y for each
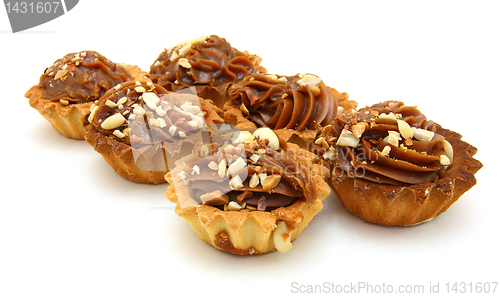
(120, 156)
(250, 232)
(71, 120)
(412, 204)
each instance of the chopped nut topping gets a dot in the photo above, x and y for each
(212, 165)
(140, 89)
(172, 130)
(321, 141)
(422, 134)
(309, 80)
(358, 129)
(271, 182)
(405, 129)
(110, 103)
(347, 138)
(236, 166)
(222, 168)
(184, 63)
(233, 206)
(113, 121)
(281, 238)
(60, 74)
(196, 169)
(235, 183)
(151, 99)
(254, 181)
(63, 101)
(266, 133)
(214, 198)
(386, 151)
(254, 158)
(329, 154)
(118, 134)
(444, 160)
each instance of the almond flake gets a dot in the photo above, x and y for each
(60, 74)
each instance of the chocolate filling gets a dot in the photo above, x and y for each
(81, 77)
(283, 102)
(207, 61)
(412, 161)
(295, 182)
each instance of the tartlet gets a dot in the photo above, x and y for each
(141, 129)
(251, 194)
(296, 107)
(391, 166)
(69, 87)
(208, 63)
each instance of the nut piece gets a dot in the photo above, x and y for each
(266, 133)
(358, 129)
(329, 154)
(242, 137)
(271, 182)
(393, 138)
(347, 138)
(315, 91)
(113, 121)
(212, 165)
(309, 80)
(386, 150)
(281, 238)
(222, 168)
(254, 181)
(321, 141)
(184, 63)
(405, 129)
(444, 160)
(214, 198)
(236, 166)
(448, 149)
(151, 99)
(422, 134)
(235, 183)
(233, 206)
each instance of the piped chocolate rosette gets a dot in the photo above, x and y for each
(251, 194)
(295, 107)
(208, 62)
(141, 129)
(394, 167)
(69, 87)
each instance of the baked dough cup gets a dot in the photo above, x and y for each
(412, 204)
(295, 107)
(394, 176)
(68, 108)
(237, 227)
(151, 134)
(208, 63)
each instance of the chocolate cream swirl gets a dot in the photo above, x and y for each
(300, 102)
(207, 60)
(388, 143)
(81, 77)
(243, 171)
(143, 113)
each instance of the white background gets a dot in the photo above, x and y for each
(70, 226)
